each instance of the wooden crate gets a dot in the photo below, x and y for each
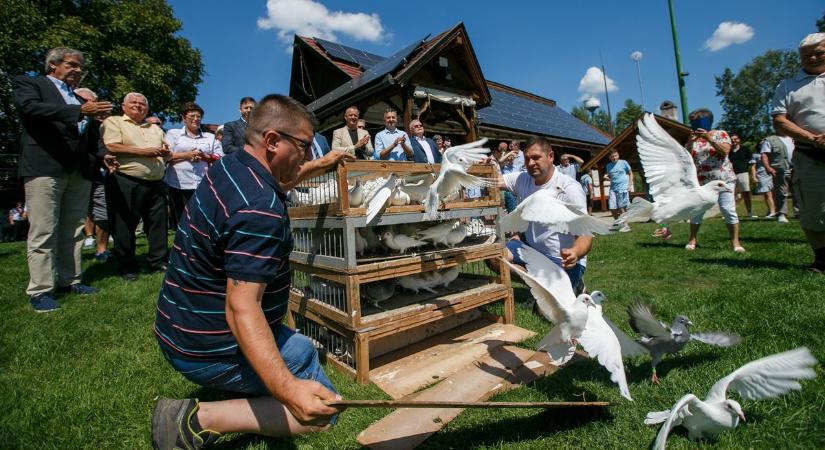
(330, 194)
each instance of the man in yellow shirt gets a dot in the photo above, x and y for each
(136, 191)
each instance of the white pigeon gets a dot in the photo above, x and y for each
(449, 275)
(326, 192)
(437, 234)
(671, 174)
(399, 242)
(360, 242)
(382, 196)
(378, 292)
(577, 320)
(456, 235)
(453, 175)
(420, 281)
(417, 190)
(356, 194)
(400, 198)
(767, 377)
(543, 207)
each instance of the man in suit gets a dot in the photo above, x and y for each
(320, 146)
(233, 132)
(350, 138)
(58, 144)
(424, 149)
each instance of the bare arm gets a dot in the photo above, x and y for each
(571, 256)
(763, 158)
(574, 158)
(319, 166)
(783, 125)
(303, 398)
(116, 148)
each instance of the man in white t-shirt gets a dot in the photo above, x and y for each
(566, 250)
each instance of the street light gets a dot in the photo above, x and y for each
(637, 56)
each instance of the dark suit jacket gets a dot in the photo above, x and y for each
(419, 155)
(322, 143)
(50, 145)
(233, 136)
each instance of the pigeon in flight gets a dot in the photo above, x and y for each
(660, 340)
(543, 207)
(577, 320)
(453, 175)
(671, 174)
(767, 377)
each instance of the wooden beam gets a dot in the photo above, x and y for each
(459, 404)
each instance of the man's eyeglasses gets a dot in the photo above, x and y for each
(304, 145)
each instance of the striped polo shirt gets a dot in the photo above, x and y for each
(234, 226)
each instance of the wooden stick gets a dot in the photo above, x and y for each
(450, 404)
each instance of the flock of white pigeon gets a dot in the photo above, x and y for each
(671, 174)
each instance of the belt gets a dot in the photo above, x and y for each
(817, 154)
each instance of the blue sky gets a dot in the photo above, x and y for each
(544, 47)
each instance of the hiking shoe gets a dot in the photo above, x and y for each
(80, 289)
(44, 302)
(782, 219)
(175, 426)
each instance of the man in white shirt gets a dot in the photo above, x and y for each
(424, 149)
(566, 250)
(391, 143)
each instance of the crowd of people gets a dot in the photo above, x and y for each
(226, 278)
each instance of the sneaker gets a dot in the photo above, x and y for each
(752, 216)
(103, 256)
(625, 228)
(88, 242)
(781, 219)
(175, 425)
(111, 240)
(770, 216)
(80, 289)
(44, 302)
(130, 276)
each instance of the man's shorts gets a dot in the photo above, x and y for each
(235, 374)
(616, 200)
(575, 274)
(809, 188)
(743, 182)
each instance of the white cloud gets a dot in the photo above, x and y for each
(592, 83)
(310, 18)
(729, 33)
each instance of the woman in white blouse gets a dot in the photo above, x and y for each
(192, 152)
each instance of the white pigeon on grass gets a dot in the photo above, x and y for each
(576, 320)
(453, 175)
(767, 377)
(671, 174)
(543, 207)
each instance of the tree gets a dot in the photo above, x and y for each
(130, 46)
(746, 96)
(820, 24)
(628, 115)
(599, 119)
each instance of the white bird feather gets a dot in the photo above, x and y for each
(543, 207)
(453, 175)
(764, 378)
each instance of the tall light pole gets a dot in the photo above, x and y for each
(607, 97)
(679, 74)
(637, 56)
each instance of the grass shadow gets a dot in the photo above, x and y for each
(500, 432)
(243, 441)
(748, 263)
(642, 371)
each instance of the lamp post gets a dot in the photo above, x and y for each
(637, 56)
(679, 74)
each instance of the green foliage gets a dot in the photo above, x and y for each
(599, 119)
(628, 115)
(86, 376)
(820, 24)
(130, 45)
(746, 96)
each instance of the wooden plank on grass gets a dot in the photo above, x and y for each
(406, 428)
(408, 370)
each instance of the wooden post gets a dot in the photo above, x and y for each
(362, 358)
(408, 107)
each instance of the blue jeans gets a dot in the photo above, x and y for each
(576, 274)
(237, 375)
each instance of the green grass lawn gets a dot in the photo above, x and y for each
(86, 376)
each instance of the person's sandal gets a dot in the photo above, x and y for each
(739, 249)
(690, 247)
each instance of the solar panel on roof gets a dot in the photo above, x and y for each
(377, 71)
(349, 54)
(520, 113)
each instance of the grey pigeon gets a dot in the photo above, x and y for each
(660, 340)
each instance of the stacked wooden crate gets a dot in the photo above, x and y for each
(329, 277)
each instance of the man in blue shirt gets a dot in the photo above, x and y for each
(391, 143)
(220, 308)
(619, 174)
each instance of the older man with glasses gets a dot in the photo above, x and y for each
(58, 145)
